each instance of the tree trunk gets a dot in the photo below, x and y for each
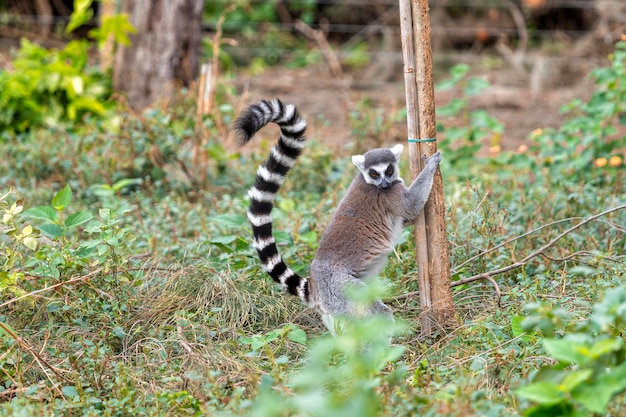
(107, 10)
(163, 55)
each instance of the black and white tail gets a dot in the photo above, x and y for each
(269, 178)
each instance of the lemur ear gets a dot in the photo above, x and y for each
(359, 161)
(397, 151)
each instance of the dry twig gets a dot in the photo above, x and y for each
(43, 364)
(487, 275)
(539, 252)
(319, 37)
(57, 285)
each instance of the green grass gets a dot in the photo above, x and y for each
(157, 304)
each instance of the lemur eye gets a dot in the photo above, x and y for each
(389, 171)
(374, 174)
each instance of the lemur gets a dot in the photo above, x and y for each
(363, 230)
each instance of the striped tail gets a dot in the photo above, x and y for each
(269, 178)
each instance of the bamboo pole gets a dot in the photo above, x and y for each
(439, 265)
(415, 152)
(432, 253)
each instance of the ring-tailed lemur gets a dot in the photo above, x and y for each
(361, 233)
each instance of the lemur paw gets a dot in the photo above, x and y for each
(435, 158)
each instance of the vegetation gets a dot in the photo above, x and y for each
(129, 285)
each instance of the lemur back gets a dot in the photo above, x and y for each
(363, 230)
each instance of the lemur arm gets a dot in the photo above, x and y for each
(416, 195)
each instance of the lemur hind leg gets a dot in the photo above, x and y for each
(334, 300)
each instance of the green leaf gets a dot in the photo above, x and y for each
(566, 350)
(119, 332)
(582, 270)
(593, 396)
(224, 243)
(309, 237)
(42, 213)
(62, 199)
(517, 329)
(575, 378)
(475, 86)
(81, 15)
(459, 71)
(297, 335)
(4, 335)
(77, 20)
(597, 395)
(230, 220)
(77, 219)
(287, 204)
(126, 182)
(30, 242)
(549, 374)
(88, 104)
(545, 393)
(223, 240)
(51, 230)
(605, 346)
(70, 391)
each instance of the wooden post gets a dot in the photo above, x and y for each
(435, 210)
(415, 152)
(434, 277)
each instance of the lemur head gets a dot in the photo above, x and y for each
(379, 166)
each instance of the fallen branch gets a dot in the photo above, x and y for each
(319, 37)
(524, 261)
(43, 364)
(582, 253)
(513, 239)
(57, 285)
(539, 252)
(78, 279)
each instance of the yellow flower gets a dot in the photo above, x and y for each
(494, 149)
(601, 162)
(536, 132)
(615, 161)
(522, 148)
(623, 37)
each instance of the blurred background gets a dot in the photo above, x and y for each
(331, 55)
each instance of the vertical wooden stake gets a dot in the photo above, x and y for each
(432, 253)
(415, 152)
(435, 211)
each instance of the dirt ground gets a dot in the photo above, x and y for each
(512, 98)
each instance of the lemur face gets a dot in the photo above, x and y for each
(379, 167)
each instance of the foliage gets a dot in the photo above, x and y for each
(52, 87)
(589, 139)
(463, 142)
(249, 14)
(342, 375)
(590, 366)
(372, 126)
(256, 26)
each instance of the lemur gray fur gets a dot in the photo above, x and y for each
(363, 230)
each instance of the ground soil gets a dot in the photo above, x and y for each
(327, 101)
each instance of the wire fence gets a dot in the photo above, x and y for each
(470, 32)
